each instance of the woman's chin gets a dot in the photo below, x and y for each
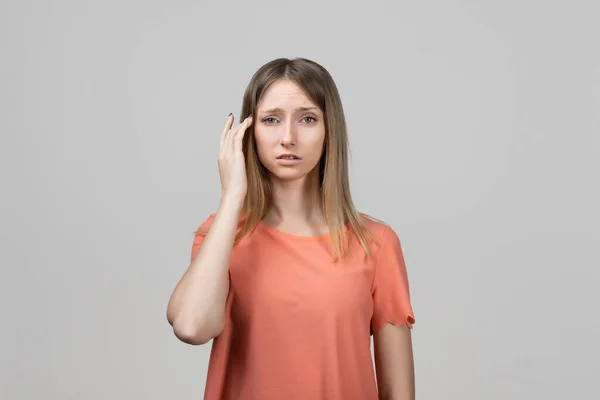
(291, 173)
(287, 175)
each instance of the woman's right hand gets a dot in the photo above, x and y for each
(232, 167)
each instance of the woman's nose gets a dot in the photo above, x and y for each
(289, 135)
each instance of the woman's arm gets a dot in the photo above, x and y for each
(196, 308)
(394, 362)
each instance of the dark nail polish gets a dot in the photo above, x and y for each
(230, 114)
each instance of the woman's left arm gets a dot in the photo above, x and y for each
(394, 362)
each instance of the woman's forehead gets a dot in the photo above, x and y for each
(286, 95)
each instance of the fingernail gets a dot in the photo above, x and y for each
(230, 114)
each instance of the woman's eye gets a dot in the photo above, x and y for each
(271, 120)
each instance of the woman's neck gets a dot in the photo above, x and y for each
(296, 202)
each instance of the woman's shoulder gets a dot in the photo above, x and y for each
(207, 221)
(375, 225)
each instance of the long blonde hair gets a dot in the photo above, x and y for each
(338, 209)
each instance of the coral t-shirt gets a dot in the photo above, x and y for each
(298, 325)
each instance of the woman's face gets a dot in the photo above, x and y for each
(289, 131)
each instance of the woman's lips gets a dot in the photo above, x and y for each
(288, 161)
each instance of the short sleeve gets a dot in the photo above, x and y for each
(391, 293)
(199, 237)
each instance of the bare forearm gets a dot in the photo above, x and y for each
(404, 385)
(406, 393)
(404, 389)
(395, 363)
(197, 307)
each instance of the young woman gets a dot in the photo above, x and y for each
(287, 277)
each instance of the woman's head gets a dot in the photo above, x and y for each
(289, 132)
(288, 84)
(296, 109)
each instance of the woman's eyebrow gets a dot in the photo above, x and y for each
(280, 110)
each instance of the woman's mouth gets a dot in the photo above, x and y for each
(288, 159)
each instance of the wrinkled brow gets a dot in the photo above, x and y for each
(280, 110)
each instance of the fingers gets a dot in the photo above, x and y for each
(229, 137)
(227, 127)
(225, 137)
(239, 135)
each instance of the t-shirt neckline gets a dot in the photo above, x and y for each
(279, 232)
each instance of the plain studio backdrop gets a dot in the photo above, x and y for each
(474, 131)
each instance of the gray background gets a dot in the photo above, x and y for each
(474, 129)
